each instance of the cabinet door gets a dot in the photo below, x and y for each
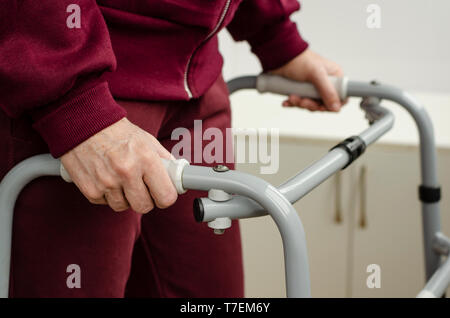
(444, 179)
(391, 236)
(327, 240)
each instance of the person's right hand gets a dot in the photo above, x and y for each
(121, 166)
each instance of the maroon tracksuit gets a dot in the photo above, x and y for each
(156, 62)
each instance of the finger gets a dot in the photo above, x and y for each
(326, 90)
(306, 103)
(294, 100)
(163, 152)
(334, 69)
(309, 104)
(160, 150)
(286, 103)
(138, 195)
(93, 195)
(159, 183)
(116, 200)
(88, 186)
(100, 200)
(345, 102)
(81, 177)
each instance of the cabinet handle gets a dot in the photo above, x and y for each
(338, 199)
(363, 197)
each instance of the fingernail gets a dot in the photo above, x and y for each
(335, 106)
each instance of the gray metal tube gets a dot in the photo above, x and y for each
(10, 187)
(304, 182)
(242, 82)
(441, 244)
(194, 177)
(430, 211)
(420, 116)
(281, 210)
(284, 86)
(438, 283)
(428, 156)
(301, 184)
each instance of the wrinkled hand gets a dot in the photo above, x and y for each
(121, 166)
(311, 67)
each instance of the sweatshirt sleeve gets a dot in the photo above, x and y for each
(53, 73)
(266, 26)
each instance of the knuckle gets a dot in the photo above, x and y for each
(150, 159)
(117, 202)
(125, 168)
(318, 73)
(336, 68)
(167, 199)
(108, 182)
(92, 193)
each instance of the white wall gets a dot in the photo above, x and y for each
(410, 50)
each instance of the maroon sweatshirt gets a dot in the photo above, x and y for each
(65, 78)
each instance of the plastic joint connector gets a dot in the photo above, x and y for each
(429, 194)
(354, 146)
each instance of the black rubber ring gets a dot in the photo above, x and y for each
(429, 194)
(199, 211)
(354, 146)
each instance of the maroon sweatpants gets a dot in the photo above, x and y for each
(164, 253)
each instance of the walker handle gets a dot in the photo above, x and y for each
(174, 169)
(284, 86)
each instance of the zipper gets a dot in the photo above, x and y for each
(216, 28)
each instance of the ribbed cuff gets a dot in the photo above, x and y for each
(278, 45)
(80, 118)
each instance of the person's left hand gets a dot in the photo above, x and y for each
(311, 67)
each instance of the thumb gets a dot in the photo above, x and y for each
(327, 91)
(164, 153)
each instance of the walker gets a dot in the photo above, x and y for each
(236, 195)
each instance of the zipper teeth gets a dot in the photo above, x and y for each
(219, 23)
(185, 79)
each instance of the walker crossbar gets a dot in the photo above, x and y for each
(254, 197)
(297, 187)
